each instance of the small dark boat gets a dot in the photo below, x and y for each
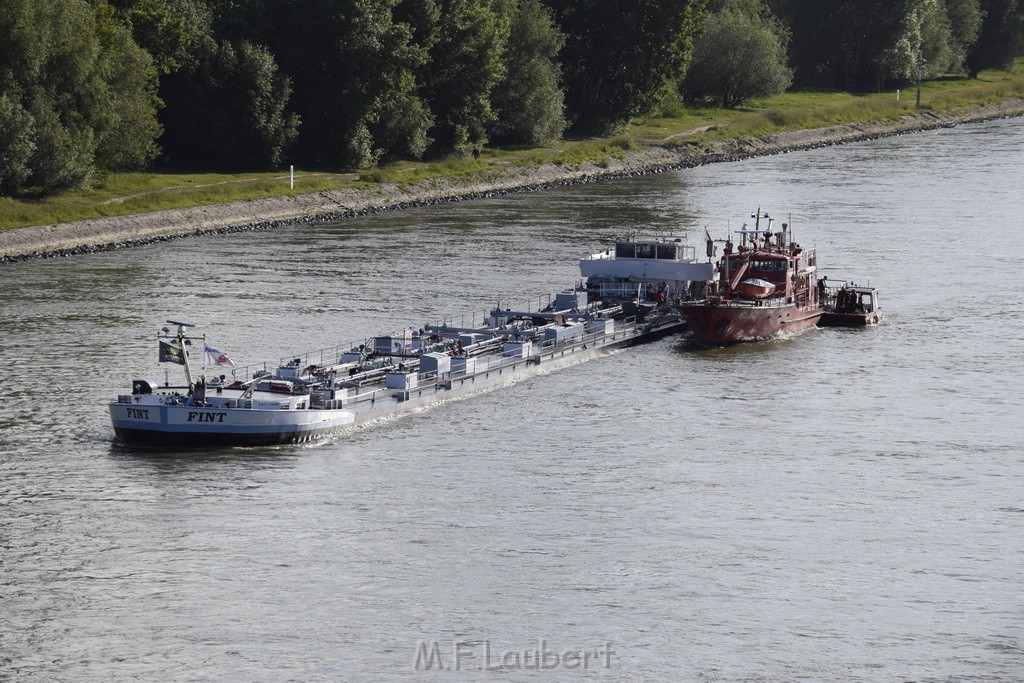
(849, 305)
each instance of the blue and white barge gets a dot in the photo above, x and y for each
(309, 396)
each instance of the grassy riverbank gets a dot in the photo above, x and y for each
(137, 193)
(818, 109)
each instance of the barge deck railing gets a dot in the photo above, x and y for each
(330, 356)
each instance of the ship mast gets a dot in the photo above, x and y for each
(184, 353)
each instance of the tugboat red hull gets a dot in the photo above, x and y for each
(729, 323)
(763, 287)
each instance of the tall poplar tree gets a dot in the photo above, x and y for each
(528, 101)
(466, 47)
(619, 54)
(78, 94)
(352, 66)
(228, 107)
(1001, 38)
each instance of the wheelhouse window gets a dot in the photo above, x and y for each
(768, 266)
(627, 250)
(667, 251)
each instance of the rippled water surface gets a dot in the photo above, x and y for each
(843, 505)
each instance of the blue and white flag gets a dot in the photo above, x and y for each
(214, 358)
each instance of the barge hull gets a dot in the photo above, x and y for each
(170, 428)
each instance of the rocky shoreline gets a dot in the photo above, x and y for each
(116, 232)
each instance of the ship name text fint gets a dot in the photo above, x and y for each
(206, 417)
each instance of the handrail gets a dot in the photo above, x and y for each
(496, 362)
(333, 353)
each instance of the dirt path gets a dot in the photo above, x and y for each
(263, 214)
(686, 134)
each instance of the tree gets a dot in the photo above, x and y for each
(464, 66)
(619, 54)
(399, 120)
(1001, 37)
(860, 45)
(16, 145)
(229, 107)
(157, 29)
(528, 101)
(63, 153)
(938, 30)
(923, 32)
(79, 93)
(52, 73)
(850, 44)
(738, 57)
(965, 18)
(353, 69)
(127, 129)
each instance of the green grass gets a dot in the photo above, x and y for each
(132, 193)
(816, 109)
(120, 194)
(791, 111)
(570, 153)
(598, 152)
(412, 172)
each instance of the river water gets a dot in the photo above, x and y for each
(842, 505)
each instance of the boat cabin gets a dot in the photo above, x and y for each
(776, 269)
(654, 268)
(771, 267)
(663, 251)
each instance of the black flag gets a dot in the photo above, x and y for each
(171, 353)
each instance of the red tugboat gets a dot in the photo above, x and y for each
(765, 286)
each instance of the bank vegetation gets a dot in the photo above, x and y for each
(113, 107)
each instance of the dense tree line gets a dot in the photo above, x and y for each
(77, 93)
(852, 45)
(863, 45)
(89, 86)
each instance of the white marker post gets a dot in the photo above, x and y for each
(291, 177)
